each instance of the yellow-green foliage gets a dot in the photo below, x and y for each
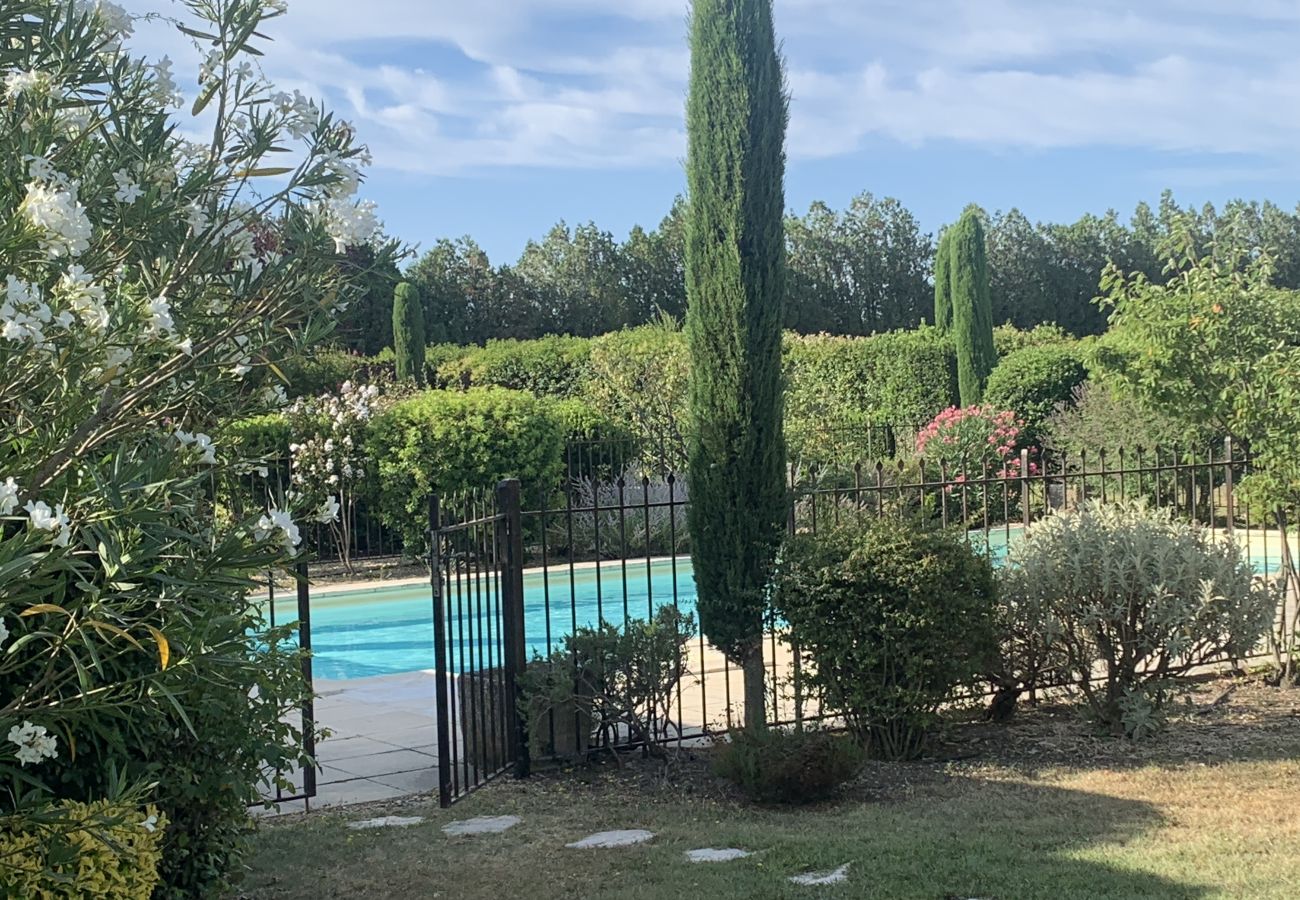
(83, 851)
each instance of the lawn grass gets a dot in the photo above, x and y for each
(1219, 822)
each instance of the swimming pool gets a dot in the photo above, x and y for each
(388, 630)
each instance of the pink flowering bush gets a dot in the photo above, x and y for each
(970, 445)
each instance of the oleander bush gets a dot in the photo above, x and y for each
(155, 287)
(1131, 595)
(891, 617)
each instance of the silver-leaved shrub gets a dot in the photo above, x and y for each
(1120, 600)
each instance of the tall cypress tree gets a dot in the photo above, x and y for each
(735, 283)
(943, 283)
(972, 309)
(408, 333)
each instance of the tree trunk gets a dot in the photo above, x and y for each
(755, 688)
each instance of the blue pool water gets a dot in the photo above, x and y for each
(389, 630)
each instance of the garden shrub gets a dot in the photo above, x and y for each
(554, 366)
(322, 371)
(775, 766)
(1033, 382)
(79, 850)
(435, 357)
(1098, 416)
(452, 443)
(976, 450)
(891, 618)
(621, 680)
(266, 436)
(638, 377)
(1129, 592)
(148, 300)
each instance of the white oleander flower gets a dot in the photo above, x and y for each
(278, 520)
(34, 743)
(328, 512)
(8, 496)
(54, 521)
(349, 224)
(207, 450)
(85, 297)
(56, 211)
(23, 312)
(35, 84)
(164, 89)
(127, 190)
(160, 317)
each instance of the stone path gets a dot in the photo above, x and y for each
(607, 839)
(601, 840)
(387, 822)
(711, 855)
(834, 876)
(481, 825)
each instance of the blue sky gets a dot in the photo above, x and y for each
(496, 118)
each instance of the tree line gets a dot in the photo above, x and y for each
(866, 268)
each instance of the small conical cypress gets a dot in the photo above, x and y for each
(408, 333)
(943, 284)
(972, 309)
(735, 284)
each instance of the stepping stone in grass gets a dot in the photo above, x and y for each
(604, 839)
(711, 855)
(387, 822)
(481, 825)
(834, 876)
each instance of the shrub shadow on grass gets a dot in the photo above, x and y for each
(953, 837)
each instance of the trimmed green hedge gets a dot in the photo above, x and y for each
(840, 391)
(266, 436)
(452, 442)
(554, 366)
(322, 372)
(1032, 381)
(1008, 338)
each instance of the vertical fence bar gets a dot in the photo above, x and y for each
(442, 694)
(512, 605)
(309, 702)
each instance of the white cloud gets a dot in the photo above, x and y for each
(453, 87)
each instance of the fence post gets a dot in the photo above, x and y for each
(309, 702)
(512, 609)
(1230, 502)
(442, 690)
(1025, 512)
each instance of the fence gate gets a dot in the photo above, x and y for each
(476, 566)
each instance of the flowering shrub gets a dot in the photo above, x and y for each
(966, 441)
(151, 285)
(328, 461)
(975, 450)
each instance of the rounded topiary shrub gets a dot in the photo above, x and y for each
(1129, 599)
(773, 766)
(890, 618)
(1033, 381)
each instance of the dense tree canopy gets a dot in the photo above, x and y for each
(867, 268)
